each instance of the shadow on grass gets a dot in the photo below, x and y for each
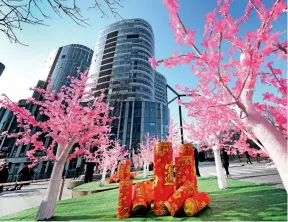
(206, 178)
(273, 184)
(263, 175)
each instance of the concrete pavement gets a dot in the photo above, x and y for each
(257, 173)
(29, 196)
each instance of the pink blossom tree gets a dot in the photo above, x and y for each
(137, 161)
(118, 155)
(229, 66)
(147, 153)
(216, 133)
(108, 156)
(174, 137)
(68, 122)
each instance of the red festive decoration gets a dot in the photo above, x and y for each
(113, 179)
(196, 203)
(149, 191)
(124, 199)
(121, 171)
(132, 175)
(185, 170)
(139, 197)
(186, 149)
(175, 202)
(163, 176)
(127, 164)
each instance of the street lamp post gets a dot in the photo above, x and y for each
(178, 96)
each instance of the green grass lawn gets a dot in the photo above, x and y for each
(94, 186)
(242, 201)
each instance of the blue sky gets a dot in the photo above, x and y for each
(24, 64)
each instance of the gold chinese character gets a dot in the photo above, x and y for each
(169, 174)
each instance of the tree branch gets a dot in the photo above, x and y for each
(185, 32)
(14, 15)
(257, 10)
(214, 106)
(272, 71)
(264, 25)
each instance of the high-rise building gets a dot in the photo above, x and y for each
(2, 67)
(64, 62)
(15, 154)
(160, 94)
(120, 67)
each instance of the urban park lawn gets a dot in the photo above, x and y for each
(242, 201)
(94, 186)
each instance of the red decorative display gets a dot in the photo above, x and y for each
(149, 191)
(124, 199)
(175, 202)
(127, 164)
(186, 150)
(196, 203)
(132, 175)
(166, 200)
(163, 176)
(121, 171)
(113, 179)
(139, 197)
(124, 170)
(184, 170)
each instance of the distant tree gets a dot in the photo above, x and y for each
(68, 122)
(137, 161)
(146, 154)
(108, 157)
(174, 137)
(14, 14)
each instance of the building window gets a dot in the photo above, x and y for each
(132, 36)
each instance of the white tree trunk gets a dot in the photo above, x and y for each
(144, 170)
(47, 206)
(102, 181)
(113, 169)
(147, 169)
(273, 141)
(222, 183)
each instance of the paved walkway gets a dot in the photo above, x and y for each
(29, 196)
(257, 173)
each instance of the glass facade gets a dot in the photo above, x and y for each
(64, 62)
(136, 119)
(120, 61)
(137, 92)
(160, 88)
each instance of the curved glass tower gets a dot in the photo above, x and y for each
(2, 67)
(120, 60)
(160, 94)
(120, 67)
(64, 61)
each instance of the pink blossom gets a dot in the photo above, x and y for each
(189, 39)
(178, 87)
(66, 124)
(153, 62)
